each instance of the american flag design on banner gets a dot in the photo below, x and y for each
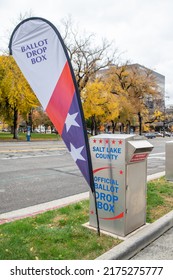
(40, 53)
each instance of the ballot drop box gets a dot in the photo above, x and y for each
(120, 175)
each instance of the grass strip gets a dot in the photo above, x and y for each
(7, 136)
(56, 234)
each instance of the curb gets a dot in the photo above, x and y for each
(40, 208)
(155, 176)
(138, 241)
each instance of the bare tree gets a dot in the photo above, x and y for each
(87, 57)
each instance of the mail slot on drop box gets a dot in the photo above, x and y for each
(120, 175)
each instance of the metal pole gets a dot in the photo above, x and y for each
(97, 217)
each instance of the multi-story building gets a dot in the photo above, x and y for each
(153, 103)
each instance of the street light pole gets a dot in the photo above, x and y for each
(164, 121)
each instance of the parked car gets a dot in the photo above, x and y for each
(5, 130)
(158, 134)
(150, 135)
(168, 134)
(162, 134)
(36, 130)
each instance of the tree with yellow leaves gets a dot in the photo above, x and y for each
(133, 86)
(93, 100)
(99, 105)
(16, 96)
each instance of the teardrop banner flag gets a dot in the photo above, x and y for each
(40, 53)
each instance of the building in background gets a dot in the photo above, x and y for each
(152, 103)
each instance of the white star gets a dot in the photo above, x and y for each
(70, 120)
(76, 153)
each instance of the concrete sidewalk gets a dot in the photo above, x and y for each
(128, 248)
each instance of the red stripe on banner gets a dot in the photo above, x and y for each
(61, 99)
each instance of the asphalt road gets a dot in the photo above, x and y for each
(156, 160)
(36, 172)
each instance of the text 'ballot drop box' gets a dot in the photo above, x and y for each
(120, 175)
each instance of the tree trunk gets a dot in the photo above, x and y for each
(93, 126)
(15, 119)
(122, 128)
(140, 123)
(128, 127)
(113, 126)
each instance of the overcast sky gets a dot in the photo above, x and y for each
(142, 30)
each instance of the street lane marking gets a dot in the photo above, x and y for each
(31, 156)
(33, 150)
(157, 158)
(157, 154)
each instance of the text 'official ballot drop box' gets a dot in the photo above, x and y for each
(120, 175)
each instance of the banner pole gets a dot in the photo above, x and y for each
(97, 217)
